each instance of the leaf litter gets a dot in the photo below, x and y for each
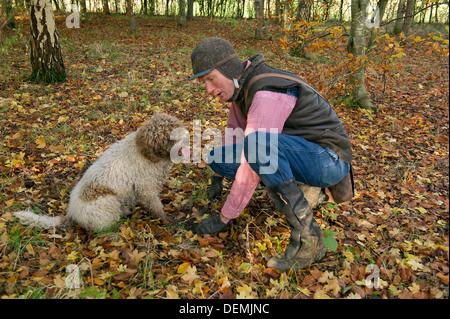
(391, 240)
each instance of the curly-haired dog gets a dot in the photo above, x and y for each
(132, 170)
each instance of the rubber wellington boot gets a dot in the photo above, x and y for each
(306, 244)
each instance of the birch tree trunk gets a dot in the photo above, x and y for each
(374, 32)
(357, 46)
(45, 52)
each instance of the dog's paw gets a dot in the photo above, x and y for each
(167, 220)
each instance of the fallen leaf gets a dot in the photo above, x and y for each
(190, 274)
(271, 273)
(182, 268)
(245, 292)
(172, 292)
(136, 257)
(40, 142)
(443, 277)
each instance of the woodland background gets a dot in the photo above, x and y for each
(123, 65)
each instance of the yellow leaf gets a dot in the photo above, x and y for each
(72, 256)
(262, 246)
(305, 291)
(348, 256)
(381, 194)
(245, 292)
(321, 295)
(245, 267)
(414, 288)
(406, 245)
(122, 268)
(414, 264)
(98, 282)
(40, 142)
(190, 275)
(182, 268)
(30, 249)
(198, 288)
(10, 202)
(421, 210)
(245, 213)
(171, 292)
(62, 119)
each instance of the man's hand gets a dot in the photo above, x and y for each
(210, 225)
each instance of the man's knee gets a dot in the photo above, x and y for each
(252, 143)
(261, 150)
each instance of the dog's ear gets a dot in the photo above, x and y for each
(153, 138)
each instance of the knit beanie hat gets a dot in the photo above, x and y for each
(215, 53)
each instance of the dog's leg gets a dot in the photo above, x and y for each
(97, 214)
(155, 207)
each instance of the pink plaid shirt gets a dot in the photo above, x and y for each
(269, 110)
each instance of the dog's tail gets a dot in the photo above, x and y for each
(27, 217)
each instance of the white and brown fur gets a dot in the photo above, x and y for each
(132, 170)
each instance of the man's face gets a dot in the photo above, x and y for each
(218, 85)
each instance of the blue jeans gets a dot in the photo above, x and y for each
(277, 158)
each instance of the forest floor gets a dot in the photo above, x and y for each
(392, 237)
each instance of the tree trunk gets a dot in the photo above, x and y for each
(45, 52)
(190, 11)
(303, 13)
(408, 16)
(374, 31)
(278, 11)
(304, 10)
(131, 16)
(259, 16)
(144, 7)
(357, 47)
(182, 12)
(431, 13)
(83, 10)
(152, 7)
(398, 22)
(436, 5)
(210, 9)
(56, 5)
(106, 7)
(286, 23)
(327, 9)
